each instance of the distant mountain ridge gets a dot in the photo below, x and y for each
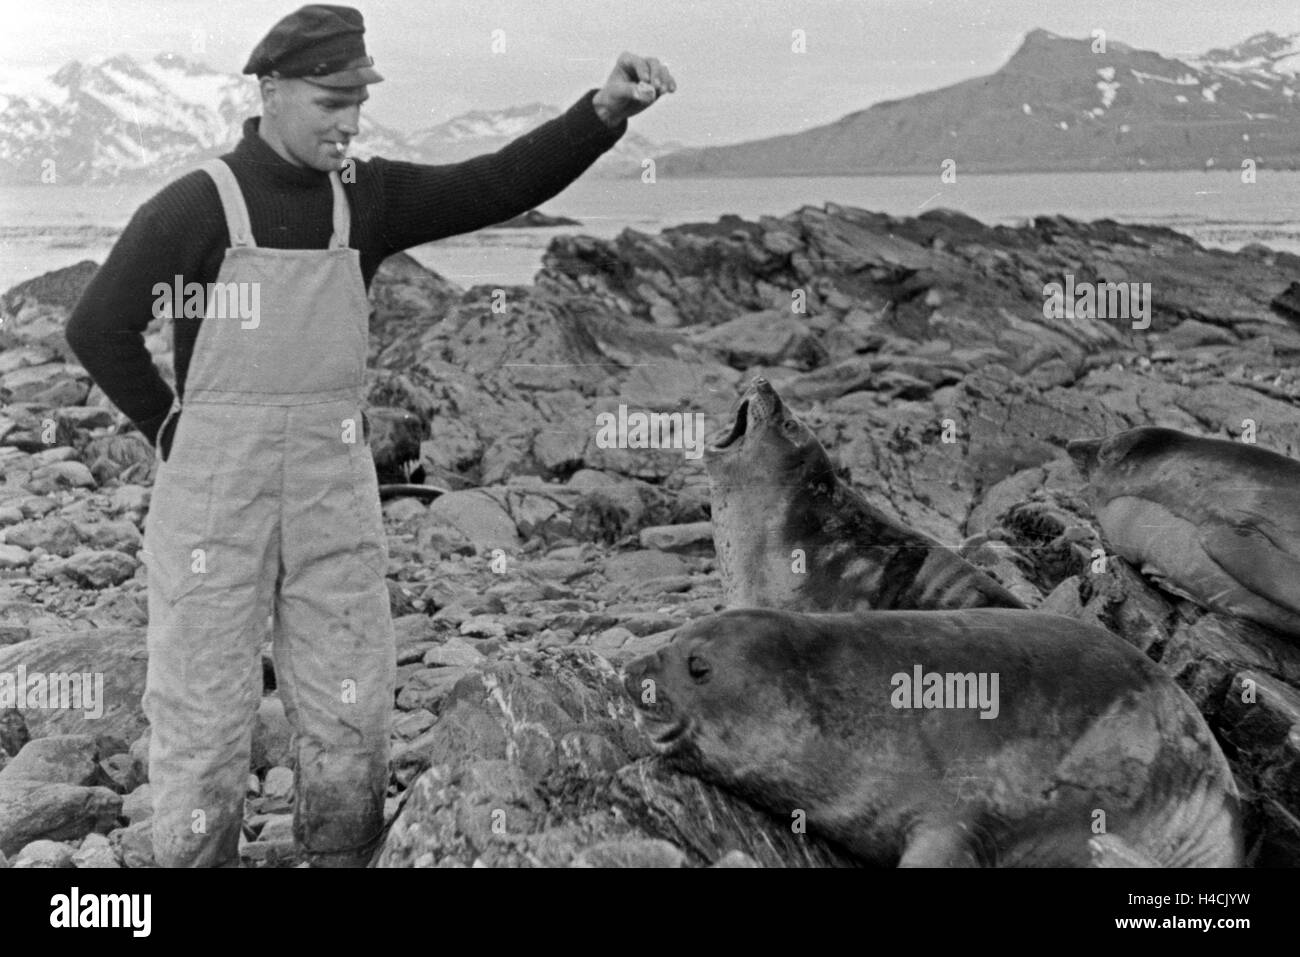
(121, 120)
(1055, 106)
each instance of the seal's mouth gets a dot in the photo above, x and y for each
(667, 740)
(1083, 452)
(759, 404)
(666, 730)
(737, 429)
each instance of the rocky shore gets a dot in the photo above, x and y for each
(916, 348)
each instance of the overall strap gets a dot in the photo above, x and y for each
(232, 202)
(342, 215)
(241, 231)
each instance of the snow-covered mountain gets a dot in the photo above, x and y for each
(1058, 104)
(1264, 56)
(483, 131)
(119, 120)
(480, 131)
(122, 120)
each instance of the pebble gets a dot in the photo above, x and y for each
(278, 786)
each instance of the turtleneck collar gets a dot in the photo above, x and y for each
(256, 151)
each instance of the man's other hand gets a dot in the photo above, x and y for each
(635, 83)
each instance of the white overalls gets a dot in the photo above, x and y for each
(268, 502)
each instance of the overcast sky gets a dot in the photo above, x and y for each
(737, 76)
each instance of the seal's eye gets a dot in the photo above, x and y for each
(698, 668)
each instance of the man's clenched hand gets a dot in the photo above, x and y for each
(635, 83)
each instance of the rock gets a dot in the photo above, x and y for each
(51, 384)
(691, 538)
(769, 338)
(650, 623)
(135, 844)
(1288, 301)
(23, 621)
(533, 219)
(412, 724)
(535, 760)
(13, 731)
(406, 297)
(115, 655)
(55, 535)
(130, 499)
(63, 475)
(610, 506)
(641, 566)
(17, 358)
(735, 859)
(277, 788)
(427, 688)
(122, 536)
(140, 756)
(482, 626)
(630, 853)
(119, 772)
(278, 829)
(1190, 333)
(58, 759)
(57, 291)
(639, 645)
(120, 607)
(12, 556)
(49, 456)
(31, 810)
(138, 805)
(272, 735)
(478, 517)
(97, 569)
(609, 641)
(454, 652)
(45, 854)
(95, 851)
(80, 417)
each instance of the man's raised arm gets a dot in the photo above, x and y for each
(423, 202)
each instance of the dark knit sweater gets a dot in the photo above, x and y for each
(394, 206)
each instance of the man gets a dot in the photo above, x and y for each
(266, 498)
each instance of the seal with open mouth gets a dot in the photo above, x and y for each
(1087, 754)
(1213, 521)
(774, 490)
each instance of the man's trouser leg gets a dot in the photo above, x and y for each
(209, 536)
(335, 653)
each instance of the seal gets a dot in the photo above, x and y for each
(790, 533)
(1057, 744)
(394, 437)
(1213, 521)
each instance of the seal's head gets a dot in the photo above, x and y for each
(766, 440)
(726, 698)
(1116, 462)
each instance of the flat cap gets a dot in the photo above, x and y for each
(320, 43)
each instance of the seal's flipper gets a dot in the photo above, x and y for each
(1250, 557)
(1107, 850)
(1167, 584)
(939, 845)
